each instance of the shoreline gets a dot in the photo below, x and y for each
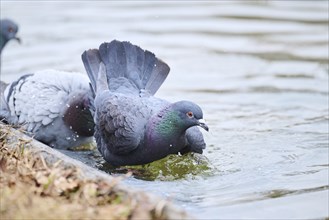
(70, 186)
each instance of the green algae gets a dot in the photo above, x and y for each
(172, 167)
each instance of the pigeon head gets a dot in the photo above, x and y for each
(8, 32)
(167, 129)
(188, 115)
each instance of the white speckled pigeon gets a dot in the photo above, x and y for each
(52, 105)
(132, 126)
(8, 31)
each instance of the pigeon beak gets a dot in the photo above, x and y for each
(203, 125)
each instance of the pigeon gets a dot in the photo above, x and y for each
(53, 106)
(132, 126)
(8, 30)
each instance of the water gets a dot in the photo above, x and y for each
(259, 69)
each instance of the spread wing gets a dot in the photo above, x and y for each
(35, 100)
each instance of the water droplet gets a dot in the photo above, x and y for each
(76, 106)
(170, 145)
(68, 138)
(71, 127)
(68, 105)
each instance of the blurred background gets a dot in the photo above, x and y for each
(259, 69)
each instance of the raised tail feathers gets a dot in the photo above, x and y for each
(96, 70)
(123, 59)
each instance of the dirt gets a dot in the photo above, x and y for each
(32, 188)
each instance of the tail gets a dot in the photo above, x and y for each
(123, 59)
(95, 70)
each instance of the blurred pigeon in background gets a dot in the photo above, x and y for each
(53, 106)
(132, 126)
(8, 32)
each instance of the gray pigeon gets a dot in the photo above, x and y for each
(8, 31)
(53, 106)
(132, 126)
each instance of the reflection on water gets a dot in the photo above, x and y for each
(259, 69)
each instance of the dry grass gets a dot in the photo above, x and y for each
(31, 188)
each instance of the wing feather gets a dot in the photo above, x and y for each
(37, 100)
(119, 125)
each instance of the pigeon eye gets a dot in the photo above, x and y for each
(10, 30)
(189, 114)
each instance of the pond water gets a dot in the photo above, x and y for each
(259, 69)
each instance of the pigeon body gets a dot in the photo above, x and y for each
(53, 106)
(131, 125)
(8, 30)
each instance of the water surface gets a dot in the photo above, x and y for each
(259, 69)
